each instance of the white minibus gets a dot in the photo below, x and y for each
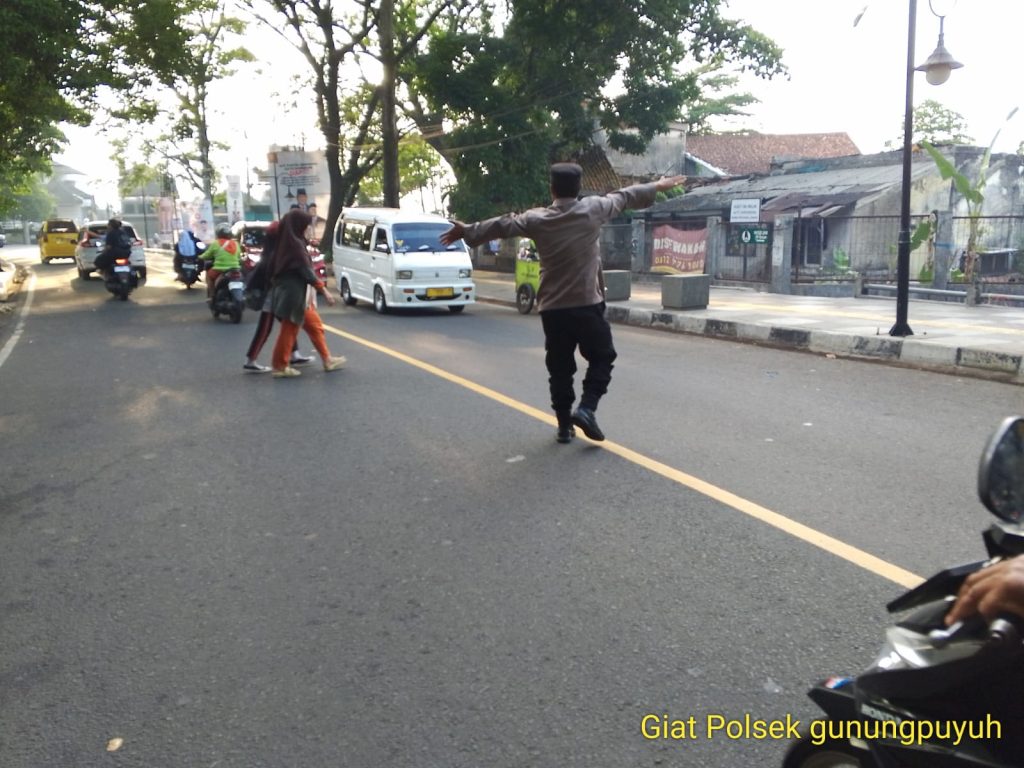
(395, 260)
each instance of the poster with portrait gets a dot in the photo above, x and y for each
(299, 179)
(235, 203)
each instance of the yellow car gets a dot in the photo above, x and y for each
(57, 240)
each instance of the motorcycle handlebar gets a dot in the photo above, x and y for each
(1005, 629)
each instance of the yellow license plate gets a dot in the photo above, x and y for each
(440, 293)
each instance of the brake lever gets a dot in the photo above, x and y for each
(1005, 629)
(971, 627)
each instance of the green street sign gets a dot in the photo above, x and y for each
(756, 234)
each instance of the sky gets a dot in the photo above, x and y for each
(853, 79)
(842, 79)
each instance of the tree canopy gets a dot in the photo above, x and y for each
(58, 54)
(502, 89)
(936, 124)
(179, 110)
(502, 101)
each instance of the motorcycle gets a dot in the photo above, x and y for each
(937, 696)
(189, 270)
(122, 278)
(228, 295)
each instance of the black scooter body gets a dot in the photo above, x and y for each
(937, 696)
(189, 270)
(121, 279)
(979, 683)
(228, 295)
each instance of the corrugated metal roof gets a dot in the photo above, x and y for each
(790, 191)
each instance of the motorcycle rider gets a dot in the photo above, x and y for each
(225, 253)
(189, 246)
(116, 244)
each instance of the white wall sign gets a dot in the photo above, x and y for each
(745, 211)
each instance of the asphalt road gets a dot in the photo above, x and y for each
(396, 565)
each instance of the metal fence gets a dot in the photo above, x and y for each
(1000, 243)
(863, 244)
(868, 244)
(828, 247)
(618, 249)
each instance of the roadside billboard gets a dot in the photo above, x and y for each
(298, 180)
(235, 204)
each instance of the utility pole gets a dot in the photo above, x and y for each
(389, 127)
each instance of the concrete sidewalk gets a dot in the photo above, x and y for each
(983, 341)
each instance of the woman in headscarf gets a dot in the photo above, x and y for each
(293, 298)
(259, 281)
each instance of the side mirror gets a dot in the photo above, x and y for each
(382, 248)
(1001, 472)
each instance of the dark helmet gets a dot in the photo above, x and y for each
(224, 230)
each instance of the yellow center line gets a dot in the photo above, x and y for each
(803, 532)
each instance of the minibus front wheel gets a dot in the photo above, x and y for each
(379, 302)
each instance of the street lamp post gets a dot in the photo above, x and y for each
(936, 69)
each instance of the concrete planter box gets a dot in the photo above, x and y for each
(617, 284)
(685, 291)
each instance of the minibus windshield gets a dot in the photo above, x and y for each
(422, 237)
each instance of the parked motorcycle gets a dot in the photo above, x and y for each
(228, 295)
(122, 278)
(937, 696)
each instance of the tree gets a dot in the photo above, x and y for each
(348, 112)
(717, 99)
(936, 124)
(500, 101)
(501, 104)
(418, 165)
(36, 203)
(58, 55)
(204, 53)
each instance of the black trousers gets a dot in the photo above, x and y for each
(264, 325)
(565, 330)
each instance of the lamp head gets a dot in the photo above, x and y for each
(939, 65)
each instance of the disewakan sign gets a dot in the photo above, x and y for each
(679, 251)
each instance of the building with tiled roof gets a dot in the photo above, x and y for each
(714, 156)
(741, 154)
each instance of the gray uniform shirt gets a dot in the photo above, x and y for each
(566, 234)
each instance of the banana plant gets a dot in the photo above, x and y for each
(971, 191)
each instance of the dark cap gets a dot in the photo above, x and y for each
(566, 179)
(566, 171)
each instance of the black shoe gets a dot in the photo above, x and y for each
(585, 419)
(565, 433)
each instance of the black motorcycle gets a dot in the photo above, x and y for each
(121, 278)
(188, 270)
(937, 696)
(228, 295)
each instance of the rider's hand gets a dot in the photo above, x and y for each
(991, 591)
(328, 297)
